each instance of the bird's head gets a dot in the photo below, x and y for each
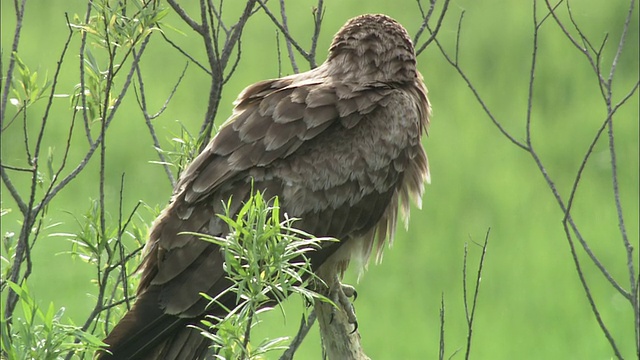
(373, 47)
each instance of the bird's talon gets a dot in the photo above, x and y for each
(341, 296)
(355, 327)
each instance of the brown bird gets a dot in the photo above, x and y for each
(340, 145)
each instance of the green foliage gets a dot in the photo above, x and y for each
(25, 85)
(101, 247)
(110, 26)
(9, 241)
(184, 148)
(112, 33)
(265, 259)
(40, 334)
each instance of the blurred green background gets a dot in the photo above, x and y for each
(531, 304)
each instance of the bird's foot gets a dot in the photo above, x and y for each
(341, 295)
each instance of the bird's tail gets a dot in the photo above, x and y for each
(147, 333)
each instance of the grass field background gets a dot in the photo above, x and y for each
(531, 304)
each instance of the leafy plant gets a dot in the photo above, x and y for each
(266, 260)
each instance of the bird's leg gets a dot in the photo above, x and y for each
(337, 321)
(340, 294)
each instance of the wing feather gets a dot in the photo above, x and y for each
(254, 127)
(314, 116)
(184, 290)
(280, 134)
(287, 110)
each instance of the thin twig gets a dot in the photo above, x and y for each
(587, 290)
(185, 17)
(425, 21)
(19, 11)
(615, 184)
(187, 55)
(286, 34)
(112, 51)
(279, 52)
(83, 94)
(120, 245)
(15, 194)
(470, 315)
(441, 346)
(285, 26)
(305, 325)
(142, 102)
(25, 135)
(318, 16)
(476, 94)
(581, 48)
(425, 18)
(231, 42)
(236, 62)
(532, 72)
(217, 74)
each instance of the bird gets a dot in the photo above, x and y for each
(340, 146)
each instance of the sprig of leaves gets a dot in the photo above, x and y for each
(266, 260)
(40, 334)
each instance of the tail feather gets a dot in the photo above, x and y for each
(188, 343)
(146, 332)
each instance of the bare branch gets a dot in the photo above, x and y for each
(180, 50)
(218, 15)
(575, 43)
(635, 304)
(623, 38)
(441, 343)
(425, 24)
(279, 52)
(230, 44)
(236, 62)
(285, 26)
(470, 314)
(142, 101)
(425, 18)
(83, 94)
(318, 16)
(305, 325)
(185, 17)
(215, 90)
(25, 134)
(550, 182)
(12, 61)
(478, 97)
(286, 34)
(585, 286)
(532, 72)
(12, 190)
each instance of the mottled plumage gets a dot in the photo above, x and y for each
(340, 146)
